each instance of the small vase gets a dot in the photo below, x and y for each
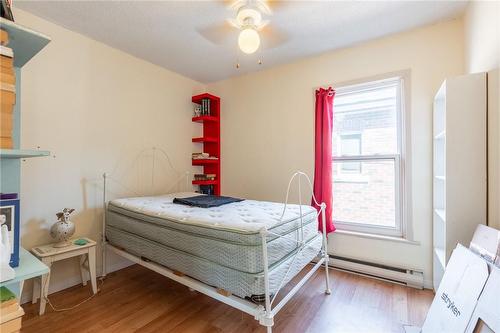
(61, 231)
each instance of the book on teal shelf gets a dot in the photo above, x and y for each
(8, 196)
(6, 294)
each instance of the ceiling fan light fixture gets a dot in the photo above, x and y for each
(248, 15)
(249, 40)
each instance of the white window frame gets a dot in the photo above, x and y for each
(401, 160)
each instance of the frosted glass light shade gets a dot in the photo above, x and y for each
(249, 40)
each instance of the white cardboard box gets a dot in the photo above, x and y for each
(486, 315)
(458, 293)
(486, 243)
(468, 298)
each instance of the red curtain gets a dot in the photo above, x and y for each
(323, 155)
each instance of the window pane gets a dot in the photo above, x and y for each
(351, 167)
(367, 197)
(350, 145)
(369, 113)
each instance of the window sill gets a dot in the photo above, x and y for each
(377, 237)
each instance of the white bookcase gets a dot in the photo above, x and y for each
(459, 177)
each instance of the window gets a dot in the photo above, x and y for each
(368, 154)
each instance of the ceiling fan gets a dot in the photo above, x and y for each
(249, 25)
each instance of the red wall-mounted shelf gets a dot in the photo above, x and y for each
(205, 139)
(201, 119)
(205, 182)
(209, 142)
(203, 162)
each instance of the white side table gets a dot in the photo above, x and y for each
(49, 254)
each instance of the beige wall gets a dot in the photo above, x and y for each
(93, 107)
(482, 36)
(267, 126)
(482, 54)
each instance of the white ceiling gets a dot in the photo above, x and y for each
(166, 32)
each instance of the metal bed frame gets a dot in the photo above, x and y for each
(263, 314)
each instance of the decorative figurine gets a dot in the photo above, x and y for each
(63, 229)
(197, 110)
(6, 272)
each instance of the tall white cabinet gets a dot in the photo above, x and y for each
(459, 177)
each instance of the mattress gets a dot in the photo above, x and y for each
(239, 221)
(228, 235)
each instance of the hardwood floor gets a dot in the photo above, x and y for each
(138, 300)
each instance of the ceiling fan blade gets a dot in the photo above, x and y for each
(234, 23)
(219, 34)
(235, 5)
(263, 24)
(277, 5)
(272, 37)
(263, 6)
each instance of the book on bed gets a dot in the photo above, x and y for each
(206, 201)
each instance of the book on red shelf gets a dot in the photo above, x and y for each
(209, 176)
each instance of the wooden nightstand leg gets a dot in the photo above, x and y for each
(44, 292)
(44, 286)
(83, 258)
(36, 289)
(92, 269)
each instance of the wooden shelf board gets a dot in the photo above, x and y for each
(202, 162)
(205, 139)
(201, 119)
(205, 182)
(22, 153)
(23, 41)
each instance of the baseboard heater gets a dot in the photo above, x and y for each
(407, 277)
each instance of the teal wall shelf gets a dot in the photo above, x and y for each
(23, 41)
(29, 267)
(22, 153)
